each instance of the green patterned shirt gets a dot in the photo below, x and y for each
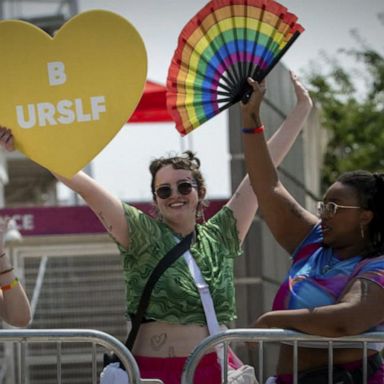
(175, 298)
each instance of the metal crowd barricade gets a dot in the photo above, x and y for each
(263, 336)
(60, 336)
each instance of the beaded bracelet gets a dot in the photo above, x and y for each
(11, 285)
(259, 129)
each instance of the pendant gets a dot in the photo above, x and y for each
(326, 268)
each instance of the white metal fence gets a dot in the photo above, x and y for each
(97, 339)
(264, 336)
(59, 336)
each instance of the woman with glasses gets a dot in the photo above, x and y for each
(175, 321)
(334, 286)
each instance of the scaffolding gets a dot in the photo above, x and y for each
(46, 9)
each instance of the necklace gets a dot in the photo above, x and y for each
(326, 268)
(331, 262)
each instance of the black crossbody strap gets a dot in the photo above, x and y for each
(162, 265)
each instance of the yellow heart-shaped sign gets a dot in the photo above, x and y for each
(66, 97)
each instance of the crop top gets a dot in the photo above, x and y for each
(317, 277)
(175, 298)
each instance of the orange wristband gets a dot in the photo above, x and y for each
(254, 130)
(11, 285)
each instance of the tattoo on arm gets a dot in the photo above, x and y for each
(364, 289)
(256, 119)
(102, 219)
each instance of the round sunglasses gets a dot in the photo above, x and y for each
(183, 188)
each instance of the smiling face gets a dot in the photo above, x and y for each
(178, 210)
(343, 230)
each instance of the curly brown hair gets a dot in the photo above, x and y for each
(188, 161)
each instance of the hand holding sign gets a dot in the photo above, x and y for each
(66, 97)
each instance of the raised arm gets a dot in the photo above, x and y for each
(244, 202)
(14, 304)
(287, 220)
(105, 205)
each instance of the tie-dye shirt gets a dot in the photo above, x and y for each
(175, 298)
(318, 278)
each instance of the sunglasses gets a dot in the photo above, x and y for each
(183, 188)
(329, 209)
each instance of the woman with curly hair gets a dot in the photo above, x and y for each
(175, 320)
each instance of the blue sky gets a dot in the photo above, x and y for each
(122, 166)
(328, 25)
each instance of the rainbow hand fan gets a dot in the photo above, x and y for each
(226, 42)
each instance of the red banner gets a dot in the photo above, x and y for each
(152, 107)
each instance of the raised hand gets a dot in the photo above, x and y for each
(251, 109)
(6, 139)
(301, 92)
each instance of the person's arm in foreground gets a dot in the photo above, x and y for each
(360, 308)
(106, 206)
(244, 202)
(14, 304)
(287, 220)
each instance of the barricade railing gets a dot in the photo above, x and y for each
(59, 336)
(263, 336)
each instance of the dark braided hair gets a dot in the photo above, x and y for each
(188, 161)
(369, 188)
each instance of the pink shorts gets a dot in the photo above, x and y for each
(169, 370)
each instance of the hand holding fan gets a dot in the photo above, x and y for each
(226, 42)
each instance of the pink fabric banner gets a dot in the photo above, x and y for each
(39, 221)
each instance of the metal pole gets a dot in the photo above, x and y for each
(73, 7)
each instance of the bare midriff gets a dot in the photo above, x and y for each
(159, 339)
